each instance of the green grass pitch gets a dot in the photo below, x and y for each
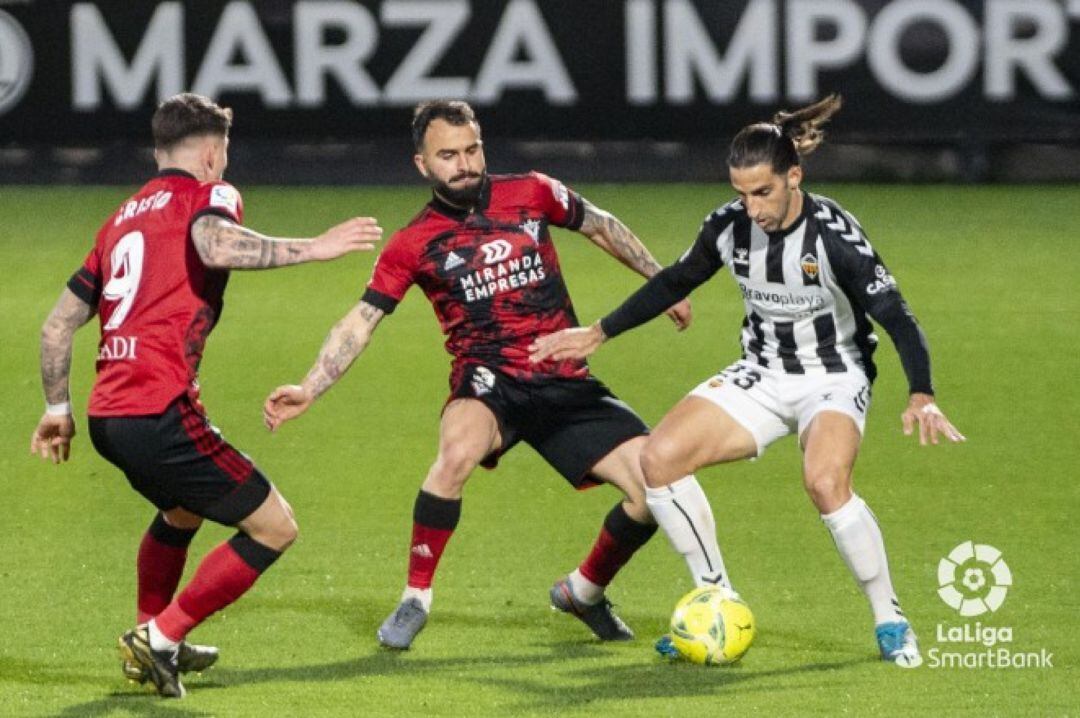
(992, 273)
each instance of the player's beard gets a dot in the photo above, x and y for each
(467, 196)
(775, 222)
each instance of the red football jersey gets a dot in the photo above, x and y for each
(157, 302)
(492, 275)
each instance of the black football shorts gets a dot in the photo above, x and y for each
(572, 423)
(179, 459)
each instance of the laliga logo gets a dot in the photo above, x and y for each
(16, 62)
(973, 579)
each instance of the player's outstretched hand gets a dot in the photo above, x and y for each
(922, 410)
(284, 403)
(576, 343)
(358, 234)
(52, 437)
(681, 314)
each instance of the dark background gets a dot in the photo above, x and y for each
(601, 135)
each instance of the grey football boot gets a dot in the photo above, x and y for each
(400, 627)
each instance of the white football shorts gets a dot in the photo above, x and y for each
(771, 404)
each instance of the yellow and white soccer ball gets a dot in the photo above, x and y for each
(712, 626)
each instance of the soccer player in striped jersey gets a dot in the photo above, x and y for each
(810, 282)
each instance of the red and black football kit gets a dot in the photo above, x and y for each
(492, 276)
(157, 303)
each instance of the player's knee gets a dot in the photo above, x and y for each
(827, 486)
(180, 518)
(285, 533)
(661, 461)
(288, 510)
(278, 534)
(451, 470)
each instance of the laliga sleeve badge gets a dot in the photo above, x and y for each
(226, 197)
(559, 192)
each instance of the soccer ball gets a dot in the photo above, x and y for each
(712, 626)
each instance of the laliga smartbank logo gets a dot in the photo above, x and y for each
(974, 580)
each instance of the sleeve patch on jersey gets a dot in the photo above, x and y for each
(561, 194)
(225, 196)
(883, 281)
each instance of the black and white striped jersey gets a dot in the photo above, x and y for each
(809, 292)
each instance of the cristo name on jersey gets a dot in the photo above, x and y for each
(156, 301)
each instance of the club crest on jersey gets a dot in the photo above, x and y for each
(496, 251)
(809, 265)
(483, 381)
(453, 261)
(531, 227)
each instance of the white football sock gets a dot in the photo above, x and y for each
(683, 512)
(858, 538)
(158, 640)
(584, 590)
(424, 595)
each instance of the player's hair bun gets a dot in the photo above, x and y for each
(803, 126)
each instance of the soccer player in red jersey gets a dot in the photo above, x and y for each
(482, 254)
(156, 277)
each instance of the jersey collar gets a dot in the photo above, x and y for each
(781, 233)
(457, 213)
(175, 172)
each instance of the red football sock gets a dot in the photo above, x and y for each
(434, 521)
(619, 538)
(159, 566)
(224, 575)
(424, 554)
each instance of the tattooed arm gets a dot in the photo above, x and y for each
(52, 437)
(346, 341)
(609, 233)
(343, 344)
(223, 244)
